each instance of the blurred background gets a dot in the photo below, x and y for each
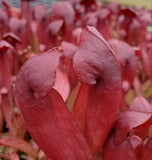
(138, 3)
(16, 3)
(27, 31)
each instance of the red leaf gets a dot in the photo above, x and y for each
(102, 24)
(69, 49)
(126, 58)
(3, 19)
(139, 113)
(147, 59)
(52, 33)
(54, 27)
(17, 26)
(88, 3)
(123, 151)
(4, 46)
(46, 115)
(146, 153)
(64, 10)
(5, 66)
(11, 38)
(41, 14)
(114, 7)
(26, 11)
(42, 19)
(76, 34)
(128, 12)
(137, 144)
(141, 104)
(97, 69)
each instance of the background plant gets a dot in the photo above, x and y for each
(120, 122)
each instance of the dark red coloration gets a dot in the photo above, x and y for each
(113, 151)
(46, 115)
(118, 144)
(83, 73)
(140, 112)
(4, 45)
(147, 59)
(99, 96)
(146, 153)
(11, 38)
(138, 52)
(88, 3)
(128, 12)
(137, 144)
